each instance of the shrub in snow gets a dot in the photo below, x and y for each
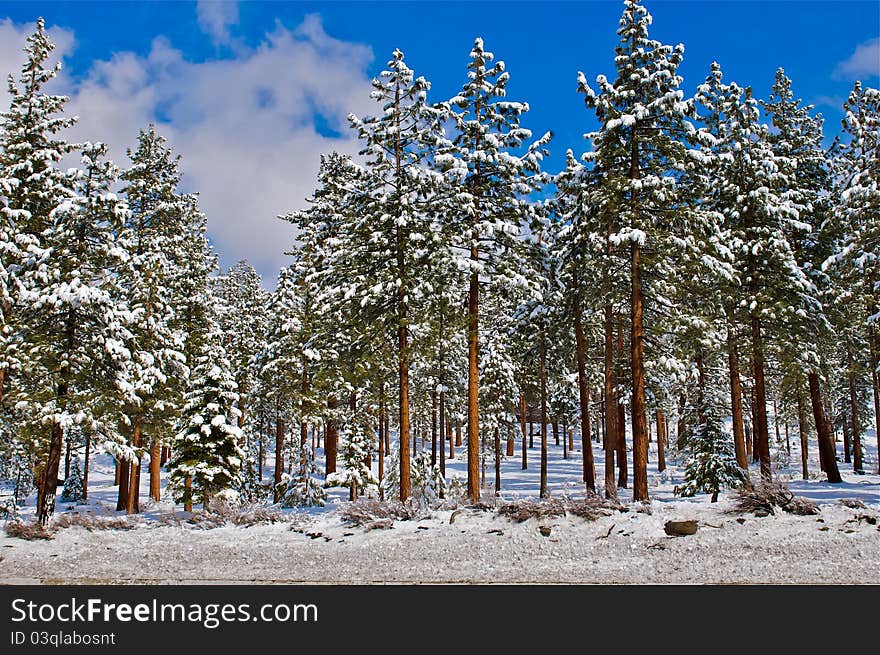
(355, 449)
(711, 462)
(299, 491)
(74, 489)
(428, 484)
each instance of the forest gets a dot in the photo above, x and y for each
(704, 272)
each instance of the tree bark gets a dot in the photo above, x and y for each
(279, 457)
(443, 433)
(661, 441)
(854, 412)
(187, 493)
(124, 477)
(473, 428)
(434, 427)
(875, 382)
(49, 476)
(382, 454)
(155, 471)
(543, 357)
(67, 457)
(826, 445)
(802, 430)
(524, 427)
(497, 462)
(622, 466)
(134, 484)
(331, 438)
(762, 437)
(86, 465)
(610, 409)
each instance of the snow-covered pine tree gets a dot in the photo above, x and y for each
(641, 156)
(156, 230)
(499, 391)
(207, 456)
(31, 186)
(391, 241)
(491, 209)
(751, 190)
(244, 323)
(78, 318)
(279, 361)
(196, 304)
(855, 262)
(711, 461)
(74, 485)
(357, 438)
(584, 266)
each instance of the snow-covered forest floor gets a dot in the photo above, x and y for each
(840, 544)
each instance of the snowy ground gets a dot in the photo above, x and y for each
(839, 545)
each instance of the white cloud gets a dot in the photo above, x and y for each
(244, 126)
(863, 63)
(216, 17)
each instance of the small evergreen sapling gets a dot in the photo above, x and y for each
(355, 474)
(303, 491)
(74, 487)
(207, 450)
(711, 460)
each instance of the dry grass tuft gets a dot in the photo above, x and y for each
(28, 531)
(92, 522)
(368, 510)
(765, 498)
(590, 508)
(221, 515)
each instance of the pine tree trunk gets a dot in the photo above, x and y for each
(124, 478)
(622, 462)
(511, 446)
(564, 439)
(49, 476)
(776, 422)
(610, 430)
(187, 493)
(875, 381)
(331, 439)
(450, 438)
(403, 390)
(381, 455)
(524, 427)
(826, 445)
(681, 425)
(279, 458)
(854, 412)
(434, 427)
(155, 462)
(497, 463)
(762, 437)
(473, 428)
(555, 425)
(117, 476)
(661, 441)
(67, 457)
(802, 430)
(134, 483)
(543, 372)
(444, 431)
(86, 465)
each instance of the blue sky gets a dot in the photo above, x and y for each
(251, 93)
